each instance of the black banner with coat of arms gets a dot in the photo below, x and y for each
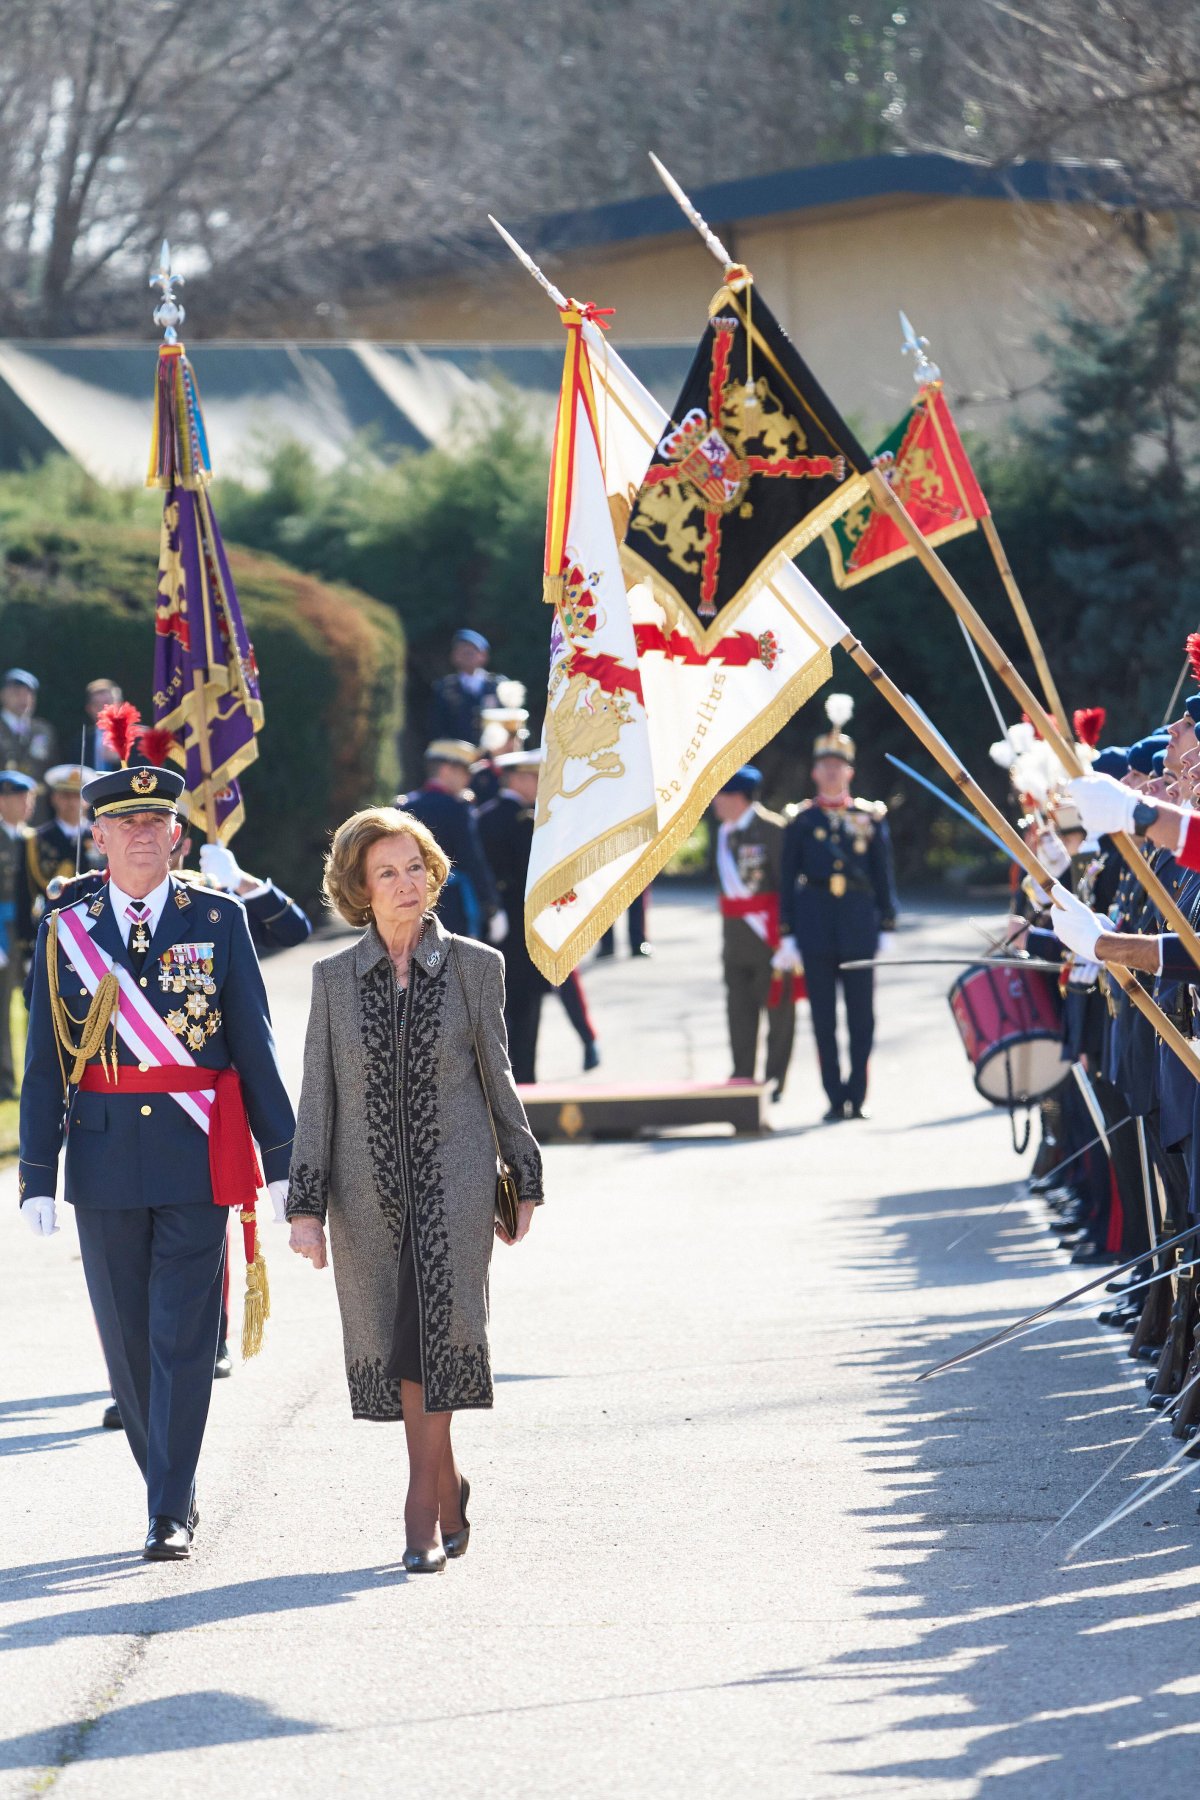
(757, 462)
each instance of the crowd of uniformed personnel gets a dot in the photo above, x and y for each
(1119, 1159)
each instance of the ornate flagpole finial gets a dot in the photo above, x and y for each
(924, 370)
(527, 262)
(169, 313)
(689, 211)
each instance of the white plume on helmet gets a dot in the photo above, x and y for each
(839, 710)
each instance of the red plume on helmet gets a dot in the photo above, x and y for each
(1193, 654)
(155, 744)
(120, 726)
(1089, 724)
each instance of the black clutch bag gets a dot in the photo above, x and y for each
(508, 1195)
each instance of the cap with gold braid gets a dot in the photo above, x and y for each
(137, 786)
(839, 709)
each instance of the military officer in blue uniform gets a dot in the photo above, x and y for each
(469, 903)
(838, 904)
(138, 1169)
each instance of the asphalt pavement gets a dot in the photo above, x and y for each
(723, 1544)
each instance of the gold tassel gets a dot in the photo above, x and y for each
(257, 1308)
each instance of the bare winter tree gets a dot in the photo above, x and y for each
(279, 142)
(1115, 86)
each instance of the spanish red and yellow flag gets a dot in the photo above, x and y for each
(924, 460)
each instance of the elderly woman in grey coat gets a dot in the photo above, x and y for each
(394, 1149)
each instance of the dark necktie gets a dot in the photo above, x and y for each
(139, 936)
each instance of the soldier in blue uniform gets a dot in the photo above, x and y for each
(838, 904)
(149, 1014)
(459, 698)
(468, 904)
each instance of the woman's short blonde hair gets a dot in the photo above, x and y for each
(344, 884)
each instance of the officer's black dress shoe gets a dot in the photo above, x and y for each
(835, 1115)
(224, 1364)
(425, 1562)
(455, 1542)
(856, 1112)
(777, 1093)
(591, 1057)
(168, 1540)
(112, 1420)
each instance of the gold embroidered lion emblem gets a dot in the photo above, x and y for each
(583, 726)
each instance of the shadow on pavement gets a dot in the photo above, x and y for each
(1065, 1679)
(169, 1612)
(195, 1721)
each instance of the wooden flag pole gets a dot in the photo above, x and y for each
(1024, 620)
(938, 748)
(1019, 688)
(1059, 739)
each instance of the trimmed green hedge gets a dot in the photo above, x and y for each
(77, 601)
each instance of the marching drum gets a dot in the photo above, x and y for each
(1009, 1020)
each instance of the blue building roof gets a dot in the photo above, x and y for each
(931, 174)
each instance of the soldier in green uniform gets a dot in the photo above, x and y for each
(749, 865)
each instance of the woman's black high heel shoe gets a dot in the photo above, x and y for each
(455, 1542)
(424, 1562)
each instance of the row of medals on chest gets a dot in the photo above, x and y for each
(188, 969)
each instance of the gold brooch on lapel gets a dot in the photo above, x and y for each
(181, 900)
(97, 906)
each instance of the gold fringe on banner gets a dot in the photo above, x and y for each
(554, 588)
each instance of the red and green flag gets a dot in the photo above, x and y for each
(924, 461)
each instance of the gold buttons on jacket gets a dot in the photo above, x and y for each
(145, 1112)
(143, 982)
(143, 1068)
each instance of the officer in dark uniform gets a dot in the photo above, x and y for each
(749, 865)
(506, 832)
(149, 1016)
(839, 906)
(468, 904)
(17, 792)
(503, 728)
(63, 846)
(460, 697)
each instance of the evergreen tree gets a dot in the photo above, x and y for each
(1120, 455)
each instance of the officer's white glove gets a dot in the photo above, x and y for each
(1052, 853)
(786, 960)
(41, 1216)
(278, 1191)
(886, 944)
(219, 863)
(1104, 805)
(1075, 924)
(497, 929)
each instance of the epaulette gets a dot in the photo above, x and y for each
(197, 878)
(74, 888)
(796, 807)
(876, 808)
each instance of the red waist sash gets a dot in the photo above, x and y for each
(760, 906)
(232, 1159)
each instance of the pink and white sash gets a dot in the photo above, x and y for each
(140, 1028)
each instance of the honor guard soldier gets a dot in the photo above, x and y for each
(749, 869)
(26, 742)
(150, 1050)
(468, 902)
(63, 846)
(839, 906)
(459, 698)
(17, 794)
(506, 833)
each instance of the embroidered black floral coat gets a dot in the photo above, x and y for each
(393, 1129)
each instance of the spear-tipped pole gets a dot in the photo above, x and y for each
(698, 220)
(924, 371)
(527, 263)
(168, 314)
